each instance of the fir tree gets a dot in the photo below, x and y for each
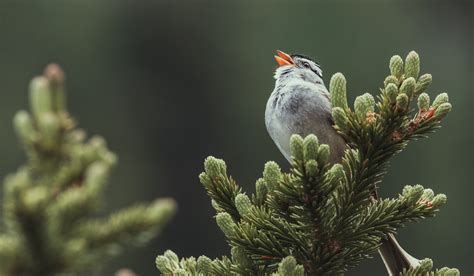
(322, 218)
(50, 221)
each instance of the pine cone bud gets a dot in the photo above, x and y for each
(41, 100)
(261, 190)
(311, 167)
(423, 83)
(440, 99)
(240, 256)
(272, 175)
(423, 101)
(392, 92)
(204, 264)
(163, 264)
(362, 105)
(428, 194)
(408, 87)
(296, 147)
(390, 79)
(24, 127)
(402, 101)
(396, 66)
(310, 147)
(215, 167)
(226, 223)
(337, 88)
(442, 110)
(170, 255)
(49, 127)
(439, 200)
(323, 154)
(412, 65)
(340, 118)
(336, 173)
(243, 204)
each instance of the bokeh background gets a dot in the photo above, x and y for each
(168, 83)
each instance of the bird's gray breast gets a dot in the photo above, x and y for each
(301, 109)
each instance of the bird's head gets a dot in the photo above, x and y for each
(297, 66)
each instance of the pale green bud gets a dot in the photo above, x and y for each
(36, 198)
(414, 194)
(170, 255)
(272, 175)
(215, 167)
(204, 264)
(423, 83)
(337, 88)
(41, 100)
(163, 264)
(362, 105)
(311, 167)
(452, 272)
(340, 119)
(49, 127)
(408, 87)
(402, 101)
(96, 176)
(226, 223)
(188, 264)
(412, 65)
(261, 190)
(336, 173)
(396, 66)
(24, 127)
(296, 147)
(423, 101)
(310, 147)
(323, 154)
(392, 92)
(443, 110)
(441, 99)
(55, 76)
(425, 265)
(180, 272)
(289, 266)
(243, 204)
(428, 194)
(390, 79)
(439, 200)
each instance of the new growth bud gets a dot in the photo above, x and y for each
(412, 65)
(442, 110)
(440, 99)
(423, 101)
(272, 175)
(439, 200)
(215, 167)
(243, 204)
(423, 83)
(296, 147)
(226, 223)
(310, 147)
(323, 154)
(408, 87)
(41, 100)
(49, 126)
(390, 79)
(402, 101)
(396, 66)
(392, 92)
(363, 105)
(340, 118)
(24, 127)
(337, 88)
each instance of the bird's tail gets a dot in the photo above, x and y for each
(394, 257)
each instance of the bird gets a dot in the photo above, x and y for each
(300, 104)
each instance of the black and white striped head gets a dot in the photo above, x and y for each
(298, 66)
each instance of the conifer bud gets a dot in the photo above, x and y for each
(390, 79)
(439, 200)
(340, 118)
(396, 66)
(428, 194)
(35, 198)
(413, 194)
(362, 105)
(163, 264)
(442, 110)
(243, 204)
(96, 175)
(408, 87)
(296, 147)
(440, 99)
(49, 127)
(392, 92)
(272, 175)
(261, 190)
(425, 265)
(423, 101)
(240, 256)
(336, 173)
(215, 167)
(323, 154)
(423, 83)
(402, 101)
(24, 127)
(170, 255)
(337, 88)
(226, 223)
(40, 97)
(311, 167)
(310, 147)
(412, 65)
(55, 76)
(204, 264)
(289, 266)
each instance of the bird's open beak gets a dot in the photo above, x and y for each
(283, 59)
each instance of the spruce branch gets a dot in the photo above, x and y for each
(322, 218)
(49, 202)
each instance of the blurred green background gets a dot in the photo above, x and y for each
(168, 83)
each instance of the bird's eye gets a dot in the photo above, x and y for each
(306, 64)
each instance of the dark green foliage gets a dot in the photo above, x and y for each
(328, 217)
